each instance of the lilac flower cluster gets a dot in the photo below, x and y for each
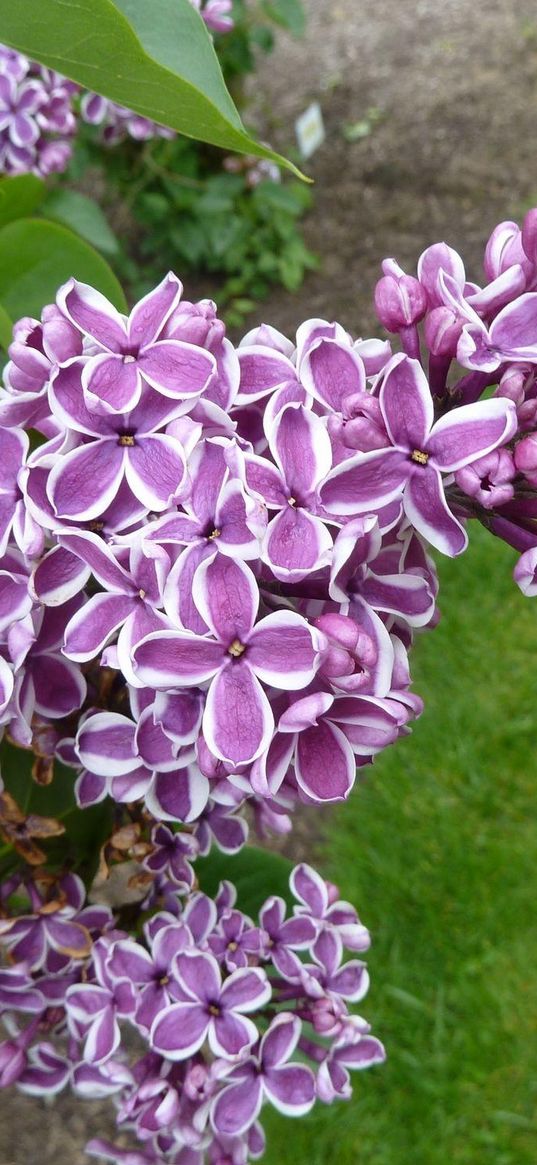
(178, 529)
(37, 122)
(230, 1015)
(214, 561)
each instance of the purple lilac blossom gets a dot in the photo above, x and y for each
(37, 121)
(214, 563)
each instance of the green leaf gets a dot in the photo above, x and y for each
(156, 58)
(20, 196)
(37, 256)
(281, 198)
(83, 216)
(257, 873)
(288, 14)
(6, 329)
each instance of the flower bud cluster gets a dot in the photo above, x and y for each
(230, 1015)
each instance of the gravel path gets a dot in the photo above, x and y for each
(451, 151)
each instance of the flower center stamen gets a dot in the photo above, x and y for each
(129, 359)
(236, 648)
(126, 440)
(419, 457)
(215, 534)
(213, 1009)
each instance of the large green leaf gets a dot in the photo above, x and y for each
(20, 196)
(257, 873)
(37, 256)
(82, 215)
(154, 56)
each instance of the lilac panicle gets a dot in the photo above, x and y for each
(214, 562)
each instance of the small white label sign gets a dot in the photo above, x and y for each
(309, 129)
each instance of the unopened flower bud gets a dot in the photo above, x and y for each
(513, 383)
(442, 331)
(399, 301)
(526, 457)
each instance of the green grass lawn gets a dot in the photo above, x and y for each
(438, 850)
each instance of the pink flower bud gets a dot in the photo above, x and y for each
(442, 331)
(399, 301)
(526, 457)
(513, 383)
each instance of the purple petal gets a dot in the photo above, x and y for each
(178, 796)
(308, 886)
(149, 315)
(325, 765)
(130, 961)
(302, 449)
(91, 627)
(471, 431)
(262, 371)
(85, 481)
(67, 402)
(105, 744)
(238, 721)
(60, 687)
(100, 557)
(68, 938)
(230, 1033)
(111, 383)
(155, 469)
(265, 480)
(227, 597)
(93, 315)
(426, 507)
(291, 1089)
(332, 371)
(296, 544)
(59, 576)
(406, 403)
(178, 593)
(173, 659)
(280, 1041)
(199, 977)
(179, 1030)
(282, 651)
(365, 1052)
(514, 329)
(237, 1107)
(351, 981)
(405, 594)
(366, 481)
(246, 990)
(176, 369)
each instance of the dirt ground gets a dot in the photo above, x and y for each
(449, 91)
